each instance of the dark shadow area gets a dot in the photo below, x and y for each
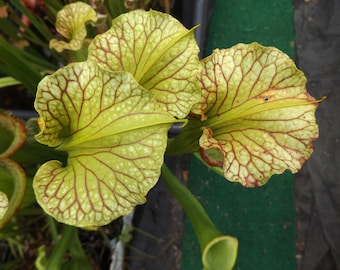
(157, 239)
(317, 186)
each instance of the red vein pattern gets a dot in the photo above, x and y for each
(115, 135)
(158, 51)
(258, 113)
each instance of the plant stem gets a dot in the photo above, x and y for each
(78, 254)
(69, 240)
(219, 251)
(57, 257)
(194, 210)
(53, 228)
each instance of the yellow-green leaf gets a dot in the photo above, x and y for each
(256, 115)
(158, 51)
(259, 114)
(115, 134)
(71, 24)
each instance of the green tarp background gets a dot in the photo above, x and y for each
(263, 219)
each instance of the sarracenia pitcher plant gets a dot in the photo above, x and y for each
(244, 111)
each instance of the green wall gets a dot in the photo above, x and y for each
(269, 22)
(263, 219)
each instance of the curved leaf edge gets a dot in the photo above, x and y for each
(18, 130)
(18, 176)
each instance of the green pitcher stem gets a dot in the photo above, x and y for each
(202, 224)
(57, 257)
(69, 240)
(219, 251)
